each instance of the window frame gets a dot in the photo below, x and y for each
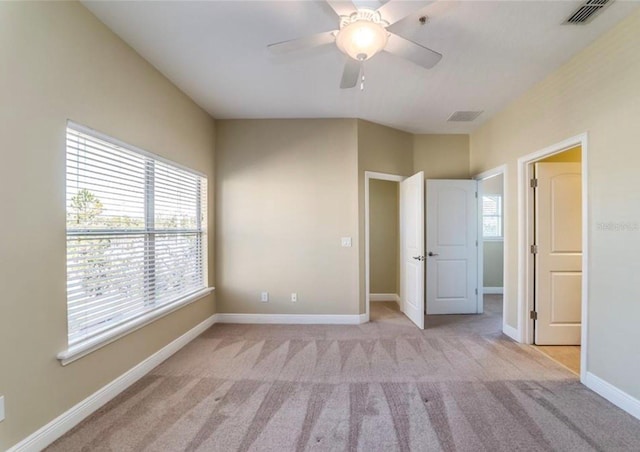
(93, 341)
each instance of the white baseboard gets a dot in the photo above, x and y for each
(294, 319)
(614, 395)
(72, 417)
(493, 290)
(384, 297)
(512, 332)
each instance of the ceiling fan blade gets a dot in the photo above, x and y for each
(307, 42)
(342, 7)
(350, 74)
(394, 11)
(420, 55)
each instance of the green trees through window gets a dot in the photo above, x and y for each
(136, 228)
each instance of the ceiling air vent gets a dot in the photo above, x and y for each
(587, 11)
(464, 116)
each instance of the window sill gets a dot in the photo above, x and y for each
(92, 344)
(493, 239)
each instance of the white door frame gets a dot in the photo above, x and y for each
(525, 239)
(502, 169)
(368, 175)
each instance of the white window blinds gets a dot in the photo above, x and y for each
(492, 216)
(136, 233)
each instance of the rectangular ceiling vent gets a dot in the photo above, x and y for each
(587, 11)
(464, 116)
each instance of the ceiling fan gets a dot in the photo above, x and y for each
(362, 34)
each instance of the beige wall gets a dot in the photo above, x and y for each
(595, 92)
(493, 263)
(384, 150)
(260, 161)
(59, 62)
(315, 170)
(286, 192)
(384, 239)
(441, 156)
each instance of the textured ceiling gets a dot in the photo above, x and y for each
(216, 53)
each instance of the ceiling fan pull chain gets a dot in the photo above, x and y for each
(362, 79)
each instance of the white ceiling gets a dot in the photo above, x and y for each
(216, 53)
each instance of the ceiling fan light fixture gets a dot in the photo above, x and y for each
(362, 34)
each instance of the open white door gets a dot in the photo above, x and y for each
(452, 247)
(558, 261)
(412, 248)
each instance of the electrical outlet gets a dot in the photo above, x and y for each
(345, 242)
(294, 297)
(264, 297)
(1, 408)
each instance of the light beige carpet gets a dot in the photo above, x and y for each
(383, 386)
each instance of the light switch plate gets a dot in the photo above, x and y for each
(346, 242)
(1, 408)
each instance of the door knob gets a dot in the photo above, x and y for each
(418, 258)
(433, 254)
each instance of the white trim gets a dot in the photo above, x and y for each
(383, 176)
(493, 290)
(293, 319)
(368, 175)
(511, 332)
(72, 417)
(585, 260)
(614, 395)
(491, 173)
(94, 343)
(384, 297)
(525, 301)
(523, 203)
(497, 171)
(479, 248)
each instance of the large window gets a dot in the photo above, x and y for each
(492, 217)
(136, 234)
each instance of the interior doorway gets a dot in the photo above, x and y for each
(553, 225)
(384, 248)
(492, 236)
(491, 232)
(410, 257)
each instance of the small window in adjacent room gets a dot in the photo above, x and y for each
(136, 236)
(492, 217)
